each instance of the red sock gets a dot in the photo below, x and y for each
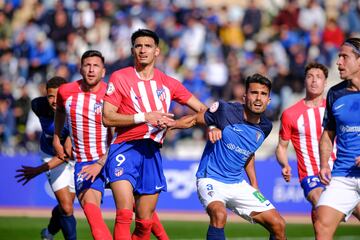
(98, 227)
(157, 228)
(142, 229)
(122, 224)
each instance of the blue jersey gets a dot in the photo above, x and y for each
(45, 113)
(224, 161)
(342, 115)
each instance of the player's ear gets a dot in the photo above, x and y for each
(157, 51)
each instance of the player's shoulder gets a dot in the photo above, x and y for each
(265, 124)
(294, 110)
(40, 106)
(124, 71)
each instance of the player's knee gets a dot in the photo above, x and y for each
(67, 209)
(218, 217)
(278, 226)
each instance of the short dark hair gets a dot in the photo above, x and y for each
(355, 44)
(319, 66)
(258, 78)
(55, 82)
(92, 53)
(144, 33)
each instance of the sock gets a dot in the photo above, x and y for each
(54, 224)
(122, 224)
(157, 228)
(68, 227)
(215, 233)
(99, 230)
(142, 229)
(271, 237)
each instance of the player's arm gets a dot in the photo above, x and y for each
(281, 156)
(59, 122)
(250, 171)
(111, 118)
(326, 148)
(26, 173)
(91, 171)
(196, 105)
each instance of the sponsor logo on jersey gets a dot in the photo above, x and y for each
(214, 107)
(161, 94)
(110, 89)
(259, 196)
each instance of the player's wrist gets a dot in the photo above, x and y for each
(100, 163)
(211, 127)
(139, 118)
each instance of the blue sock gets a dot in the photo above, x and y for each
(271, 237)
(68, 227)
(54, 224)
(215, 233)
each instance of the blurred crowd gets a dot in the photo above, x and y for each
(209, 47)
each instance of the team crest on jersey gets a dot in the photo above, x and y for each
(161, 94)
(118, 171)
(97, 108)
(214, 107)
(110, 89)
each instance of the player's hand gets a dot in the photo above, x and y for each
(90, 171)
(187, 121)
(214, 134)
(159, 119)
(325, 175)
(286, 173)
(27, 173)
(357, 161)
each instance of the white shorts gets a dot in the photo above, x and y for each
(241, 198)
(342, 194)
(62, 176)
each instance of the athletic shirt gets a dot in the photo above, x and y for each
(40, 106)
(84, 115)
(224, 161)
(303, 126)
(342, 115)
(132, 95)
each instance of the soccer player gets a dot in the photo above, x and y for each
(137, 102)
(59, 173)
(80, 103)
(341, 122)
(301, 124)
(220, 177)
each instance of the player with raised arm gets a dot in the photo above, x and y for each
(220, 177)
(59, 173)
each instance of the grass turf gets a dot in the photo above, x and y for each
(20, 228)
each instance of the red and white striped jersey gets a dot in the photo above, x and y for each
(89, 137)
(303, 126)
(132, 95)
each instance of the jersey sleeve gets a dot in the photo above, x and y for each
(285, 126)
(113, 91)
(35, 106)
(215, 114)
(329, 119)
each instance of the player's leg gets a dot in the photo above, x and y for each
(211, 196)
(123, 196)
(53, 226)
(62, 183)
(158, 229)
(312, 190)
(356, 211)
(90, 195)
(272, 221)
(144, 208)
(336, 204)
(67, 220)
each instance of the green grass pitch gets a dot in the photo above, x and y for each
(21, 228)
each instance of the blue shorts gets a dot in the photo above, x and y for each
(309, 183)
(138, 162)
(81, 184)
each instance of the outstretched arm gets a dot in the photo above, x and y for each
(281, 156)
(26, 173)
